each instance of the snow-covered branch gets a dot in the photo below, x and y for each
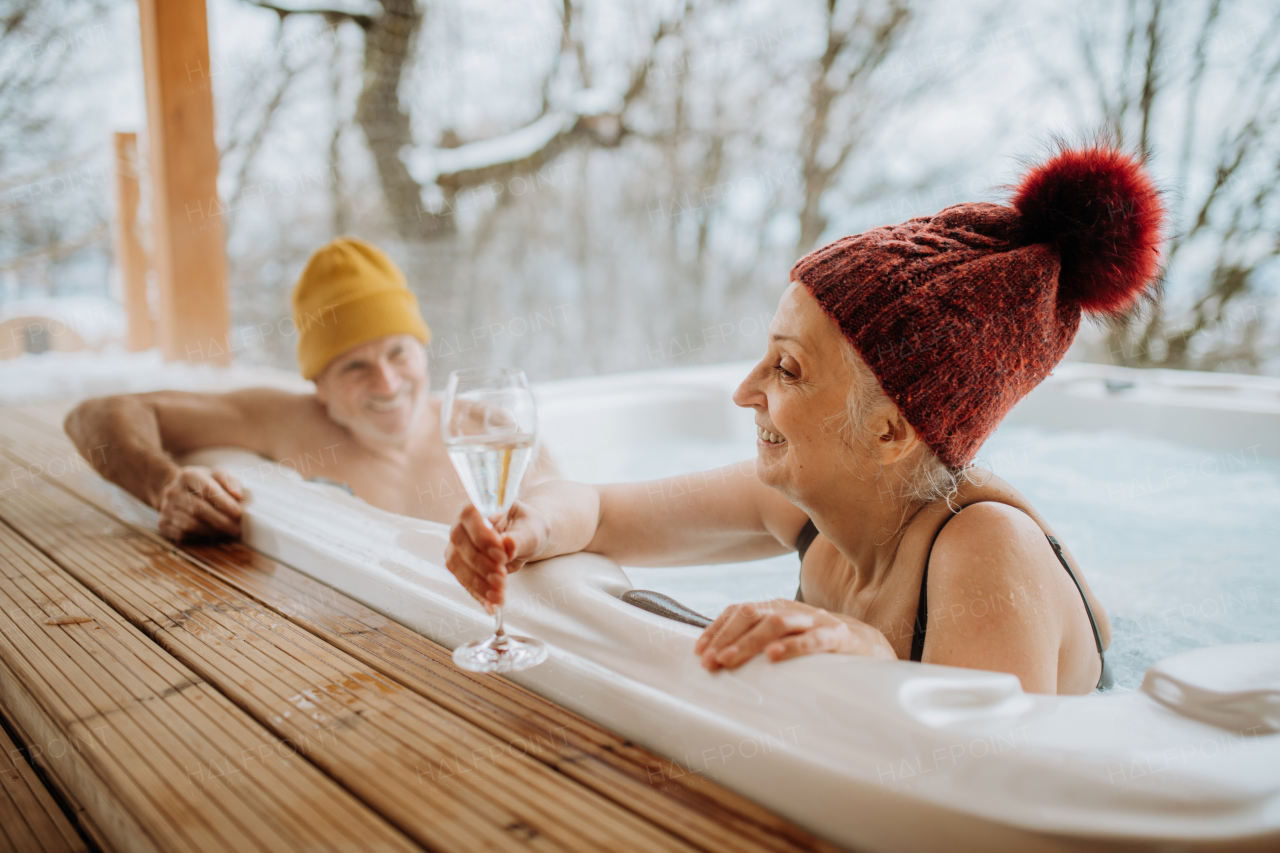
(433, 165)
(594, 113)
(361, 12)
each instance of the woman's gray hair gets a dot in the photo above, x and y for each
(929, 479)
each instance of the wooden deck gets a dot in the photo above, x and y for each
(210, 698)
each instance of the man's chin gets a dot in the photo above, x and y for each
(385, 433)
(380, 430)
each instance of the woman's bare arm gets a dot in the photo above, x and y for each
(720, 516)
(725, 515)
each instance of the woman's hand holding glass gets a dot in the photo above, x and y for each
(489, 423)
(481, 557)
(783, 629)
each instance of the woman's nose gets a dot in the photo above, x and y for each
(748, 394)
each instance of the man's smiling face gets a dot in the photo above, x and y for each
(377, 390)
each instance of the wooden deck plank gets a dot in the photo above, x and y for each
(707, 814)
(94, 699)
(30, 818)
(61, 681)
(74, 675)
(685, 803)
(48, 413)
(240, 818)
(40, 757)
(269, 666)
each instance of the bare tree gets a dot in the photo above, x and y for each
(648, 125)
(389, 42)
(1149, 64)
(53, 199)
(428, 231)
(859, 38)
(255, 109)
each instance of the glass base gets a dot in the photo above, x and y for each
(504, 653)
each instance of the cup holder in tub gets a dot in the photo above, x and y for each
(1234, 687)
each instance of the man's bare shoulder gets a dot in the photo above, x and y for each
(257, 397)
(266, 400)
(261, 419)
(285, 416)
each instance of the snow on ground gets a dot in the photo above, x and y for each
(96, 319)
(74, 375)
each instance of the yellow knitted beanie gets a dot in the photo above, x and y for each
(350, 293)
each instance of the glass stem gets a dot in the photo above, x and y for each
(500, 637)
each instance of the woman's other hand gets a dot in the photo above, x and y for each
(783, 629)
(481, 557)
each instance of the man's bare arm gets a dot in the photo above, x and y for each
(120, 438)
(131, 440)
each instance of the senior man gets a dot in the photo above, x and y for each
(370, 425)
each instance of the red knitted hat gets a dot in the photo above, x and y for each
(960, 314)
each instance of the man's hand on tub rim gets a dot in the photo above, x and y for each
(481, 557)
(196, 502)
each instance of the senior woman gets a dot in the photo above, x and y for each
(892, 356)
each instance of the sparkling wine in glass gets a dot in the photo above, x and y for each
(489, 424)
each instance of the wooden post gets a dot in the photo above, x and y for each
(130, 257)
(189, 250)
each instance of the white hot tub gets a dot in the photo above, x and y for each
(882, 755)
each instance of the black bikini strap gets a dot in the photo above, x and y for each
(808, 533)
(1093, 623)
(922, 617)
(922, 609)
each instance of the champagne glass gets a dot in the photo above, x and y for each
(489, 424)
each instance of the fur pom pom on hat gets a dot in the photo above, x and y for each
(962, 313)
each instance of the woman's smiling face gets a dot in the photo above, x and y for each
(800, 393)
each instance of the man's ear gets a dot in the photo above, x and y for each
(322, 395)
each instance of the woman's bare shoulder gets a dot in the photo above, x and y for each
(994, 597)
(985, 486)
(990, 528)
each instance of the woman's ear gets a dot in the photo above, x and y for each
(895, 437)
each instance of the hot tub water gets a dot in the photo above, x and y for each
(1182, 545)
